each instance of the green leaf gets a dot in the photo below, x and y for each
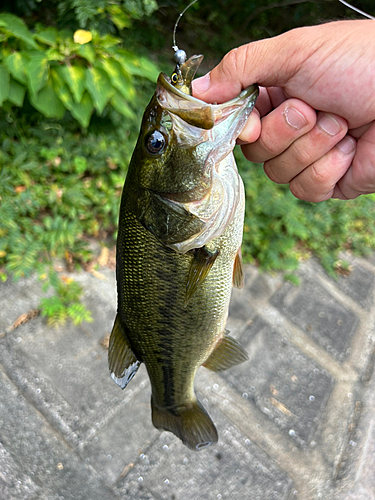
(17, 28)
(4, 84)
(87, 52)
(16, 93)
(83, 111)
(47, 102)
(37, 70)
(139, 66)
(16, 64)
(105, 41)
(121, 105)
(99, 87)
(119, 78)
(61, 88)
(53, 54)
(47, 36)
(119, 18)
(75, 77)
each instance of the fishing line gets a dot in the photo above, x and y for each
(174, 46)
(359, 11)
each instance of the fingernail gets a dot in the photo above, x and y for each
(347, 145)
(294, 118)
(329, 124)
(202, 84)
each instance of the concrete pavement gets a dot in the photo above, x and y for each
(297, 421)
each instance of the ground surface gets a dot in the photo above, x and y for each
(297, 421)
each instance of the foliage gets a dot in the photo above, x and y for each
(61, 72)
(280, 230)
(65, 304)
(102, 15)
(59, 187)
(58, 184)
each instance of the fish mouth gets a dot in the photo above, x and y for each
(199, 113)
(212, 129)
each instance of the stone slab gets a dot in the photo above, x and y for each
(14, 483)
(283, 383)
(311, 307)
(42, 453)
(116, 446)
(69, 431)
(358, 285)
(17, 298)
(234, 469)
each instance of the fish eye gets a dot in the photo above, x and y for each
(174, 78)
(155, 142)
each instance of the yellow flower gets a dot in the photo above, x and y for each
(67, 279)
(82, 37)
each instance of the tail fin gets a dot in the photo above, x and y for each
(191, 423)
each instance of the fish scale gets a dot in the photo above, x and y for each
(178, 252)
(154, 293)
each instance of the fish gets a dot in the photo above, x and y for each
(179, 251)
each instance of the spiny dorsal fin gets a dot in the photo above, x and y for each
(238, 276)
(199, 269)
(191, 423)
(123, 364)
(226, 354)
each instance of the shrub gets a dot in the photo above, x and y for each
(61, 71)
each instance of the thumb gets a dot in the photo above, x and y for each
(269, 62)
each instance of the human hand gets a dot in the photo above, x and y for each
(328, 68)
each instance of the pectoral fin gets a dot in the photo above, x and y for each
(199, 269)
(123, 363)
(238, 276)
(226, 354)
(166, 220)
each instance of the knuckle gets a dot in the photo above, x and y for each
(269, 144)
(229, 64)
(297, 191)
(320, 175)
(313, 194)
(277, 173)
(269, 171)
(301, 155)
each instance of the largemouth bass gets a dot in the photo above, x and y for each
(178, 251)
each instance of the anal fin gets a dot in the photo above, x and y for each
(123, 363)
(238, 275)
(227, 353)
(199, 269)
